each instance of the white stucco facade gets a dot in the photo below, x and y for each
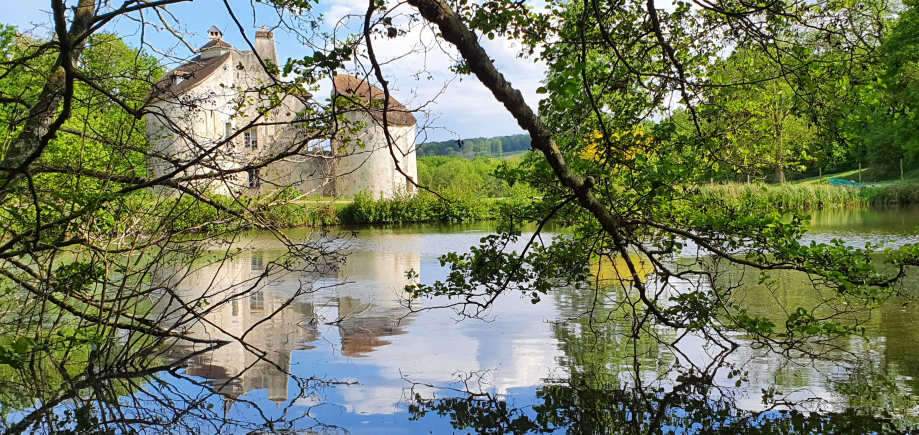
(209, 127)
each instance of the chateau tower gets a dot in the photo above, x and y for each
(373, 166)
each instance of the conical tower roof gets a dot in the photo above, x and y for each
(353, 86)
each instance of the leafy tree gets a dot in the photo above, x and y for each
(451, 175)
(612, 68)
(471, 148)
(885, 121)
(758, 117)
(86, 245)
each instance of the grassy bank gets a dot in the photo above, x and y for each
(423, 207)
(783, 196)
(893, 194)
(809, 195)
(280, 211)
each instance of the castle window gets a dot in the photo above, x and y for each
(254, 180)
(257, 301)
(227, 129)
(250, 140)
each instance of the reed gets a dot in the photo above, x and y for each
(784, 196)
(897, 194)
(423, 207)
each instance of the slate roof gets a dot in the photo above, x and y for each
(193, 72)
(215, 43)
(353, 86)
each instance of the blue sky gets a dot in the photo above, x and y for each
(465, 109)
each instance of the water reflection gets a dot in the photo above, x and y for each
(280, 310)
(369, 306)
(580, 364)
(336, 352)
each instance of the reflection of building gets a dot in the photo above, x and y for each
(263, 317)
(368, 311)
(371, 307)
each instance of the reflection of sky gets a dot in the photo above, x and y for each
(515, 347)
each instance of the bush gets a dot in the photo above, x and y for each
(893, 195)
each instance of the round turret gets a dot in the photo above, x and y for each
(374, 165)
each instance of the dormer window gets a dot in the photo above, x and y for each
(214, 33)
(176, 79)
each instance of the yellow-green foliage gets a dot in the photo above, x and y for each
(455, 174)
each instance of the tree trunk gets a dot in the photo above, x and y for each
(455, 31)
(53, 106)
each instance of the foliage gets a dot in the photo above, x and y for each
(423, 207)
(757, 117)
(452, 175)
(93, 244)
(477, 147)
(616, 68)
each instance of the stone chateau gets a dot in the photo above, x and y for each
(199, 105)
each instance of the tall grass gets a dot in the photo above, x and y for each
(279, 211)
(898, 194)
(784, 196)
(423, 207)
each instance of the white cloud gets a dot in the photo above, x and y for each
(466, 107)
(418, 69)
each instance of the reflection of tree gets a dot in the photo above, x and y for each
(82, 393)
(629, 376)
(598, 338)
(691, 405)
(237, 318)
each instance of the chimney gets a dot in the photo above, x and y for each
(264, 45)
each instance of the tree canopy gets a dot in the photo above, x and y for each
(614, 69)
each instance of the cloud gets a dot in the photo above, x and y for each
(466, 107)
(417, 68)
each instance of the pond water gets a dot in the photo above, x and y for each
(346, 356)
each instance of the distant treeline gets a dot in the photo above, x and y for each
(478, 147)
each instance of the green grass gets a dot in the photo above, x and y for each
(846, 175)
(870, 176)
(783, 196)
(814, 194)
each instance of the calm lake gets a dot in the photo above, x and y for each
(346, 356)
